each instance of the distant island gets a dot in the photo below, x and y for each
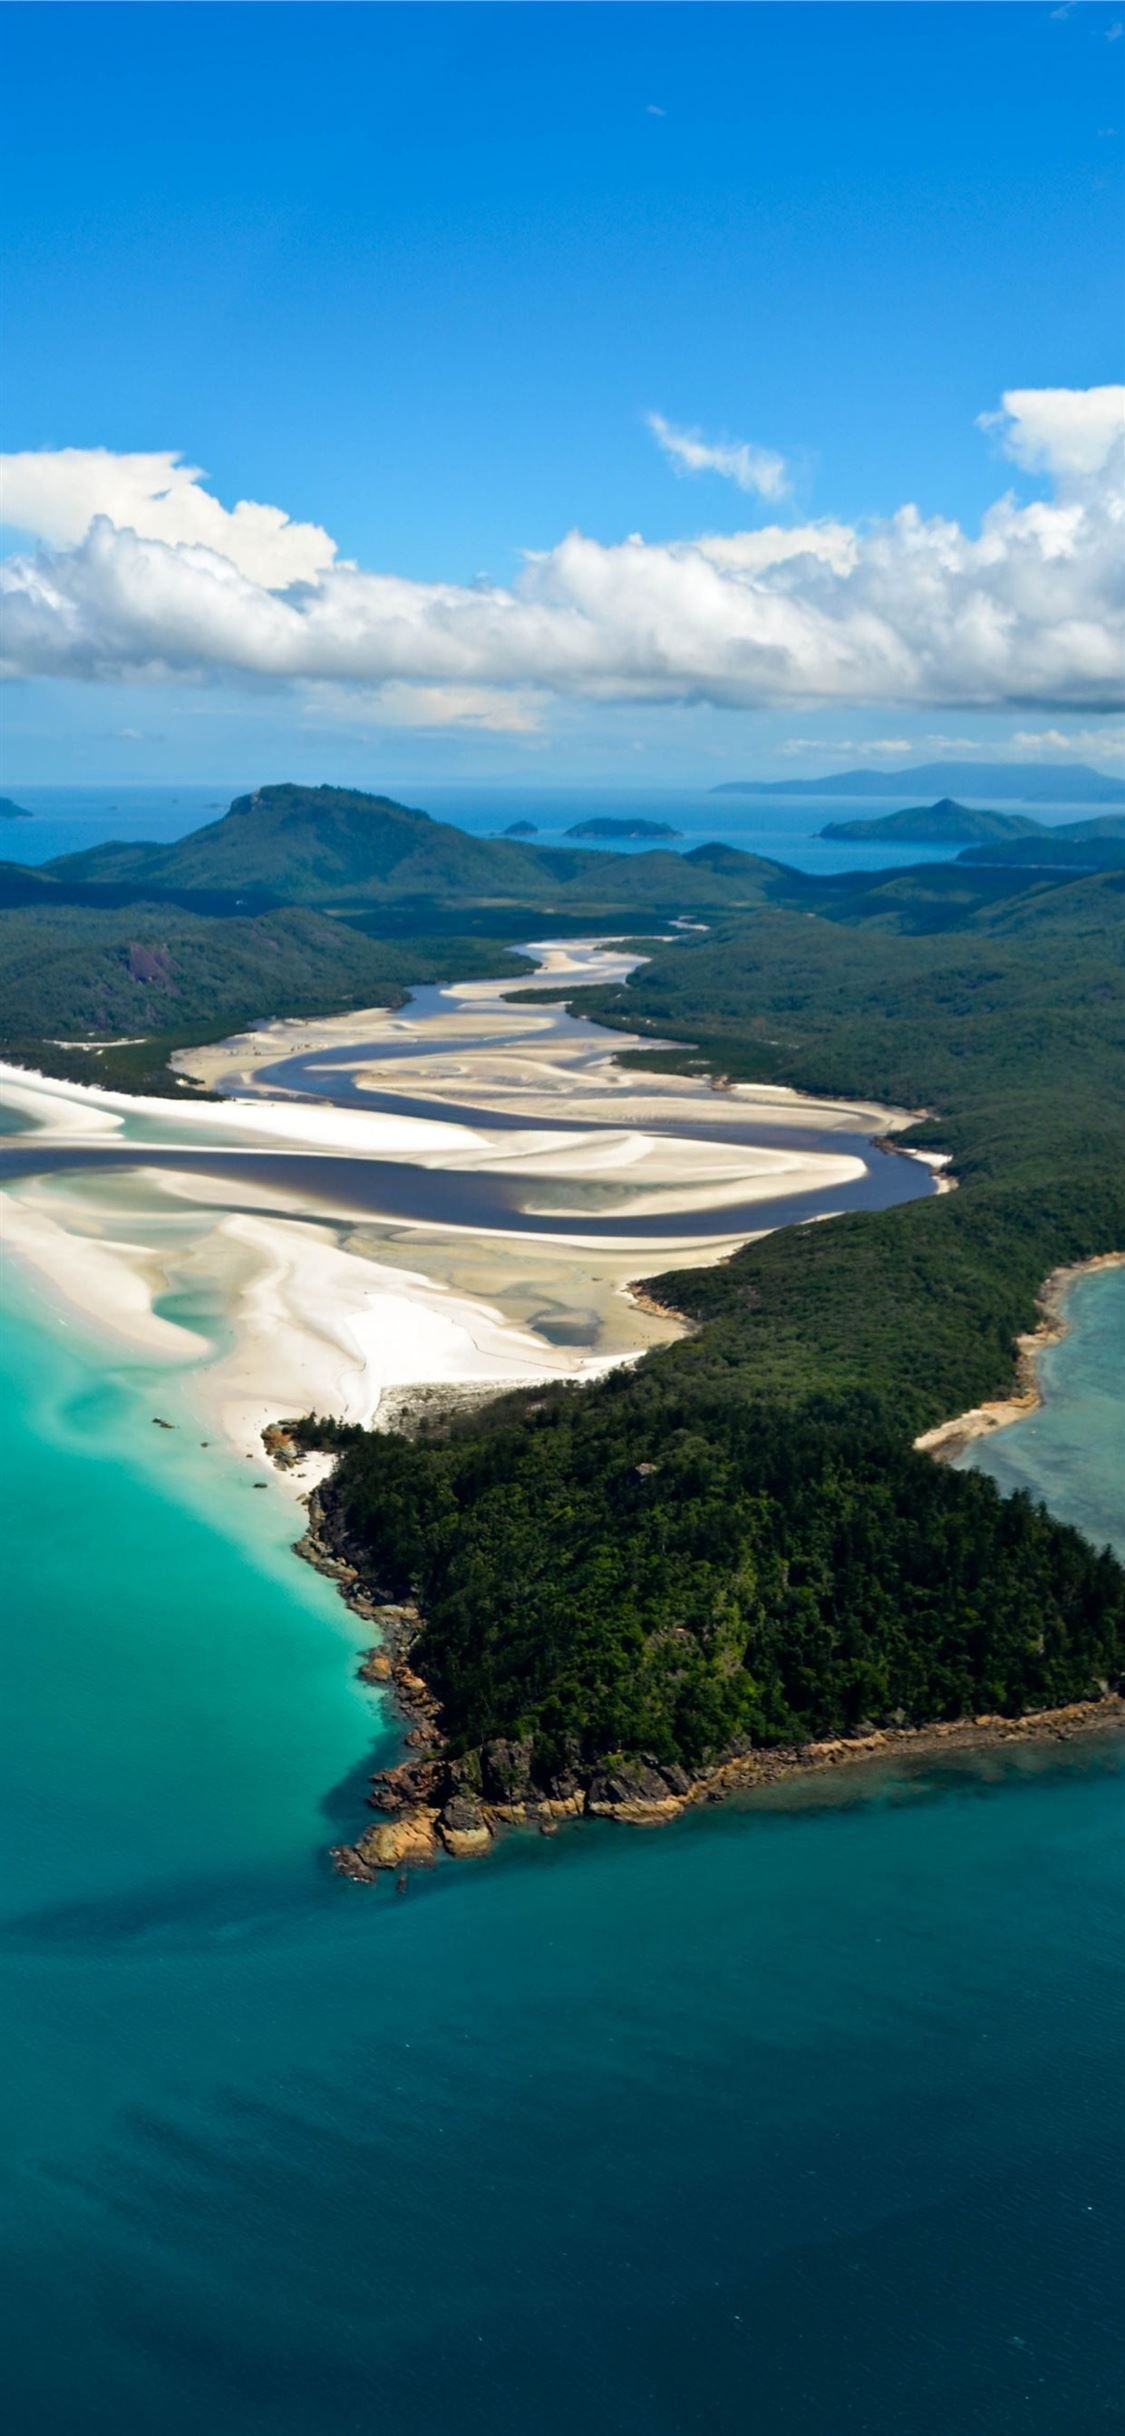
(618, 829)
(521, 828)
(1071, 846)
(1097, 844)
(942, 824)
(11, 811)
(1004, 781)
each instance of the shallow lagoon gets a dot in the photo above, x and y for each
(804, 2117)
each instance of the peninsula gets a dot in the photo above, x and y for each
(596, 1586)
(615, 1600)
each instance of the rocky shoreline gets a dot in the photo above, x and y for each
(432, 1803)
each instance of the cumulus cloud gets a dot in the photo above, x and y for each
(911, 610)
(1066, 432)
(739, 461)
(892, 748)
(57, 493)
(1103, 743)
(487, 708)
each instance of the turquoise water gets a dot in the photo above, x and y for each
(1071, 1453)
(805, 2121)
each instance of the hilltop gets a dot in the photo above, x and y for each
(610, 828)
(1075, 845)
(1003, 781)
(943, 823)
(338, 848)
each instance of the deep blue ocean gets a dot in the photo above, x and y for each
(802, 2118)
(805, 2117)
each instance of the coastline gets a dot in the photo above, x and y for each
(431, 1804)
(306, 1303)
(950, 1438)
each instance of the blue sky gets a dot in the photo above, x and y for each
(417, 276)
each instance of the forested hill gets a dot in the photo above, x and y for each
(338, 848)
(736, 1541)
(943, 823)
(149, 968)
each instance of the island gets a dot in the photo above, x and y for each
(11, 811)
(1006, 781)
(521, 828)
(945, 823)
(618, 830)
(1097, 844)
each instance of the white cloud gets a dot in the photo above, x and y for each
(57, 493)
(1103, 743)
(1065, 432)
(1027, 613)
(885, 747)
(739, 461)
(396, 704)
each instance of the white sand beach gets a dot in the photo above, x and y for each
(298, 1299)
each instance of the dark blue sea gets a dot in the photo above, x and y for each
(801, 2118)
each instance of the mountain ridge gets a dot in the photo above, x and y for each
(335, 846)
(936, 824)
(1002, 781)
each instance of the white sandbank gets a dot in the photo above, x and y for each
(112, 1284)
(322, 1330)
(320, 1307)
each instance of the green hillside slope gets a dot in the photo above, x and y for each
(940, 824)
(335, 847)
(735, 1541)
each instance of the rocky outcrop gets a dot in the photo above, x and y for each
(638, 1793)
(442, 1802)
(401, 1843)
(463, 1827)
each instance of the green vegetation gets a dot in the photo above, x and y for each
(337, 848)
(1078, 845)
(736, 1538)
(660, 1570)
(608, 828)
(70, 974)
(998, 837)
(941, 824)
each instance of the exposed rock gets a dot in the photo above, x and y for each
(463, 1828)
(399, 1843)
(506, 1770)
(634, 1791)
